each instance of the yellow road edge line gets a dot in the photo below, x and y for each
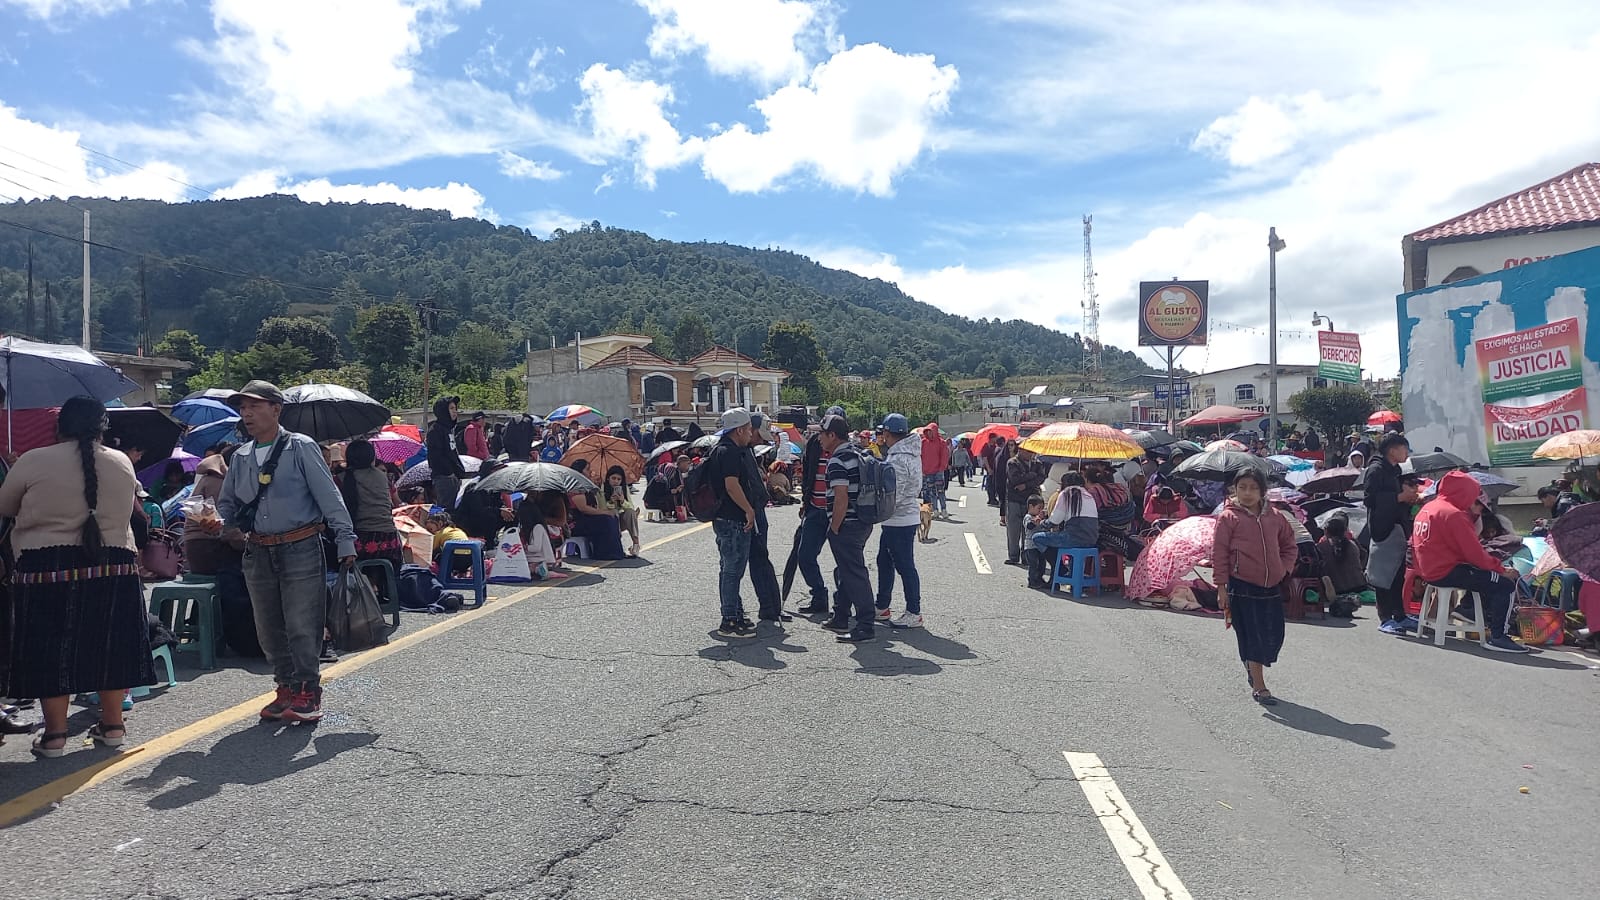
(31, 803)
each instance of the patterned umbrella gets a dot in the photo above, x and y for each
(1227, 444)
(1576, 536)
(1299, 471)
(577, 412)
(1172, 556)
(1572, 445)
(202, 411)
(604, 451)
(1082, 440)
(392, 447)
(663, 449)
(420, 475)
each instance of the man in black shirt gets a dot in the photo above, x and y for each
(1388, 499)
(1023, 477)
(727, 473)
(667, 433)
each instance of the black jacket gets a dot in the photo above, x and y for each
(518, 439)
(443, 460)
(1382, 498)
(808, 468)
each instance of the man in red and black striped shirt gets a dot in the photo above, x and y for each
(814, 522)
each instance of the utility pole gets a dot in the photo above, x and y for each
(49, 314)
(27, 314)
(86, 279)
(1274, 244)
(428, 313)
(144, 314)
(1091, 311)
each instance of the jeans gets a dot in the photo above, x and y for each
(813, 534)
(1015, 513)
(933, 491)
(763, 577)
(896, 544)
(1495, 589)
(289, 596)
(849, 547)
(733, 552)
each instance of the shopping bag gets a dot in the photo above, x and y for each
(510, 560)
(355, 618)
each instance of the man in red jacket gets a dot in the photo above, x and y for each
(935, 462)
(1444, 542)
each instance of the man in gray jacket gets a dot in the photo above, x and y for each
(280, 494)
(897, 536)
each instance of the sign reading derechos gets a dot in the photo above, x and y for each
(1534, 361)
(1339, 355)
(1514, 432)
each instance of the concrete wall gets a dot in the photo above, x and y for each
(603, 389)
(1499, 253)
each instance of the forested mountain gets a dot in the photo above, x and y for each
(220, 268)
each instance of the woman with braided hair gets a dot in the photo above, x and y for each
(78, 619)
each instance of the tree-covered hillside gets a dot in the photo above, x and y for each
(219, 269)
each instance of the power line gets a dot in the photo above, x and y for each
(93, 181)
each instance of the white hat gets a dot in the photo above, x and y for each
(738, 417)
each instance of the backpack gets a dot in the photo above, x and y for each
(700, 495)
(875, 503)
(420, 592)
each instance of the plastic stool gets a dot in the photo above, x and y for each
(1298, 605)
(1442, 600)
(1110, 572)
(389, 600)
(163, 654)
(1082, 570)
(477, 580)
(202, 630)
(576, 546)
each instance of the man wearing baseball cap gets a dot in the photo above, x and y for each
(897, 538)
(728, 475)
(280, 495)
(847, 535)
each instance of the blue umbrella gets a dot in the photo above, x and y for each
(202, 411)
(198, 439)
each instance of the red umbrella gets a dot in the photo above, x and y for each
(1221, 415)
(991, 432)
(404, 430)
(1383, 417)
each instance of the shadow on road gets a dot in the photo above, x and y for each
(1536, 660)
(1315, 721)
(929, 643)
(759, 653)
(253, 756)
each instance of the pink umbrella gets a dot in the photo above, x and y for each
(1171, 556)
(393, 448)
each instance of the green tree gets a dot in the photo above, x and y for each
(479, 349)
(281, 364)
(998, 375)
(230, 319)
(354, 376)
(181, 344)
(942, 386)
(1395, 402)
(691, 337)
(792, 346)
(397, 387)
(513, 400)
(309, 335)
(1333, 410)
(896, 374)
(385, 336)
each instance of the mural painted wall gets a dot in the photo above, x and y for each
(1442, 376)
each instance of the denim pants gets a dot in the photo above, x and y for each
(933, 491)
(1495, 589)
(849, 547)
(896, 544)
(733, 552)
(289, 595)
(762, 576)
(813, 534)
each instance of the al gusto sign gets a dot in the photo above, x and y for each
(1172, 313)
(1514, 432)
(1533, 361)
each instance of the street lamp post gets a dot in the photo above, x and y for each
(1274, 244)
(1318, 319)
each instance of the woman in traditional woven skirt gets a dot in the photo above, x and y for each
(77, 607)
(1253, 552)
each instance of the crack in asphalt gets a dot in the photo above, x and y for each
(1143, 856)
(824, 813)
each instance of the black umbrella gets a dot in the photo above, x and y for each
(329, 412)
(1332, 481)
(668, 447)
(707, 442)
(1431, 463)
(1222, 465)
(210, 394)
(143, 427)
(1186, 447)
(1317, 506)
(539, 476)
(1155, 437)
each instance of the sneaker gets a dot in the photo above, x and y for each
(305, 703)
(907, 620)
(855, 637)
(280, 702)
(736, 628)
(745, 621)
(1013, 562)
(813, 609)
(839, 625)
(1409, 623)
(1392, 627)
(328, 655)
(1503, 644)
(882, 615)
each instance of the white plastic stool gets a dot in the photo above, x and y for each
(1442, 600)
(576, 546)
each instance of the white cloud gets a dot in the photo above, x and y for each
(546, 221)
(761, 39)
(40, 161)
(861, 118)
(514, 166)
(629, 118)
(459, 200)
(535, 79)
(49, 9)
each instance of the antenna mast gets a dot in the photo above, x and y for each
(1091, 312)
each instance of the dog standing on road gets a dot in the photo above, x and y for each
(924, 530)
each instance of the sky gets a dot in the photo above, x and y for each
(949, 146)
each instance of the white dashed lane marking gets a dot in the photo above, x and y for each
(1137, 850)
(978, 560)
(962, 504)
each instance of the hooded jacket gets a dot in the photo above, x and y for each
(905, 457)
(475, 442)
(935, 451)
(1259, 549)
(1446, 533)
(443, 460)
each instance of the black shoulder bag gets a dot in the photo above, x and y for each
(247, 513)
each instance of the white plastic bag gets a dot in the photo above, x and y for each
(510, 562)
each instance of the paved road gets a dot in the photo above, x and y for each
(598, 740)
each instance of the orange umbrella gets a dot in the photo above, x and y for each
(1383, 417)
(604, 451)
(1082, 440)
(1572, 445)
(997, 430)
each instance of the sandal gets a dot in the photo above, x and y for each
(1264, 698)
(40, 750)
(100, 732)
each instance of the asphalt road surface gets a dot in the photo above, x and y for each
(596, 739)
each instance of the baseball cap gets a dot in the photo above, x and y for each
(835, 411)
(738, 417)
(895, 423)
(836, 426)
(256, 390)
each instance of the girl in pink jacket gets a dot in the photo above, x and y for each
(1251, 555)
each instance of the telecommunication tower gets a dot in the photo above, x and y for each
(1091, 311)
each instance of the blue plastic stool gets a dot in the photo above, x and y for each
(477, 580)
(202, 631)
(163, 654)
(1082, 571)
(390, 599)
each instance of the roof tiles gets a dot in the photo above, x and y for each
(1571, 198)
